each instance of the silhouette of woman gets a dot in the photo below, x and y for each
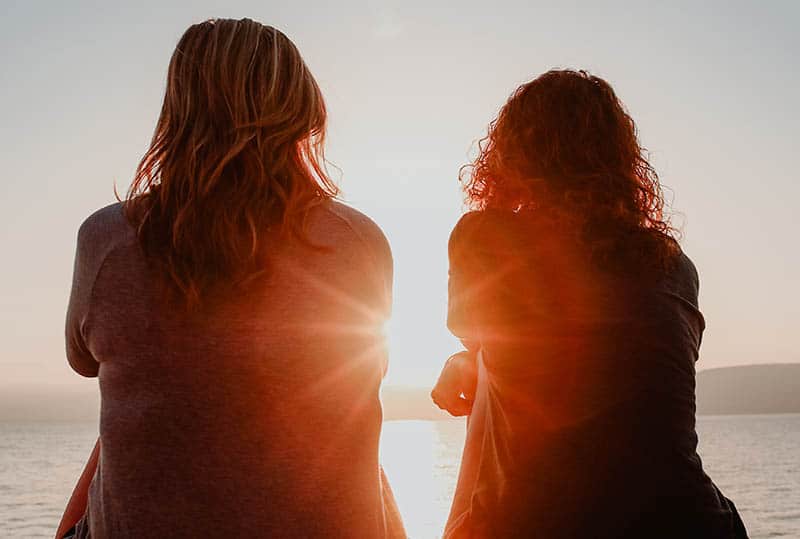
(232, 311)
(579, 313)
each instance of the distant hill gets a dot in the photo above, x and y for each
(749, 389)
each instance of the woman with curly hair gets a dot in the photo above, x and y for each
(579, 315)
(232, 311)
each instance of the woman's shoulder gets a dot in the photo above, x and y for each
(104, 216)
(100, 234)
(486, 227)
(684, 273)
(479, 222)
(354, 218)
(105, 228)
(351, 222)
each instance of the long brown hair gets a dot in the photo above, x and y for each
(564, 146)
(238, 149)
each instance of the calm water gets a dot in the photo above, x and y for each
(753, 459)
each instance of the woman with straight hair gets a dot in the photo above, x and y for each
(232, 311)
(579, 315)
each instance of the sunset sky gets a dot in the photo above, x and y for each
(410, 86)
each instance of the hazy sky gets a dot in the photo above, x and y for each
(410, 85)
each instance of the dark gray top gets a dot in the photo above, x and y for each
(584, 418)
(257, 417)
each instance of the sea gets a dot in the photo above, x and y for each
(754, 459)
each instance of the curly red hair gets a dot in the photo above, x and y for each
(564, 146)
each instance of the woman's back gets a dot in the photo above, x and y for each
(254, 415)
(570, 282)
(584, 422)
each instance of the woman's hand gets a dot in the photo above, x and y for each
(455, 390)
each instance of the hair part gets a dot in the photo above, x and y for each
(237, 151)
(563, 146)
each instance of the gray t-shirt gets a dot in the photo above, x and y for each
(257, 417)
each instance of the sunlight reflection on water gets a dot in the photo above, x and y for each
(421, 461)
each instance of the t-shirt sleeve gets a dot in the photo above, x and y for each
(379, 259)
(489, 286)
(376, 281)
(462, 289)
(78, 354)
(370, 283)
(382, 255)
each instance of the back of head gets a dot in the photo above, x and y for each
(564, 147)
(237, 150)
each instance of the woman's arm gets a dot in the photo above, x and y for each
(455, 388)
(83, 275)
(76, 507)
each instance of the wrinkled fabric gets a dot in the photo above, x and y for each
(583, 423)
(256, 415)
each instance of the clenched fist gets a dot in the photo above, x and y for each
(455, 390)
